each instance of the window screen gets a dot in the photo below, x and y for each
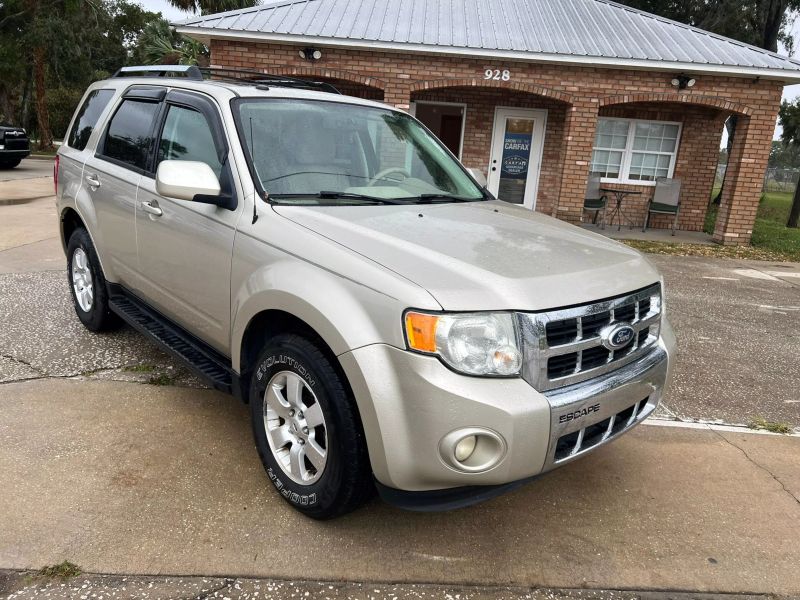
(130, 133)
(87, 117)
(187, 136)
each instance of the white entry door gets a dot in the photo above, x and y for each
(517, 142)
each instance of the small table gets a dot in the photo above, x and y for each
(619, 196)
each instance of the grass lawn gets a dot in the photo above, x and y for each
(772, 240)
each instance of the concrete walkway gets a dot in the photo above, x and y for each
(651, 235)
(129, 478)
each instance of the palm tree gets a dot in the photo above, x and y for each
(159, 44)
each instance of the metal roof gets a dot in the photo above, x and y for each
(596, 32)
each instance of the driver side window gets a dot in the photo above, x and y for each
(187, 136)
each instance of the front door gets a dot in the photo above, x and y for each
(185, 247)
(517, 141)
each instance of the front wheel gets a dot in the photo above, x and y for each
(307, 429)
(9, 164)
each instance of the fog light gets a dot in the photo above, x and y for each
(465, 448)
(472, 449)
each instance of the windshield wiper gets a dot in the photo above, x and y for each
(429, 198)
(326, 195)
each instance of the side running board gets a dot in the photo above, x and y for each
(201, 358)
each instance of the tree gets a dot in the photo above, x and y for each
(61, 46)
(159, 44)
(789, 118)
(211, 6)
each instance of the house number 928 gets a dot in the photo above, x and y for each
(497, 74)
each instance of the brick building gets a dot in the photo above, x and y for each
(539, 94)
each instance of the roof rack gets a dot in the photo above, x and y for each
(186, 71)
(241, 76)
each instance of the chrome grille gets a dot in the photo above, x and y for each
(574, 443)
(563, 347)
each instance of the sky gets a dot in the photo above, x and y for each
(165, 8)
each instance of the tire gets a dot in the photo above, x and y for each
(9, 164)
(291, 453)
(87, 284)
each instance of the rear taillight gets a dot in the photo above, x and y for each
(55, 174)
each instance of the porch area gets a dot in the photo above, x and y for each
(663, 236)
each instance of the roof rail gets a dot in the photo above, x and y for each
(187, 71)
(260, 78)
(243, 76)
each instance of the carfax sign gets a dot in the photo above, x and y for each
(516, 154)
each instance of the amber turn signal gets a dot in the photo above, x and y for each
(421, 331)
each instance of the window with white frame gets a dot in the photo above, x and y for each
(635, 151)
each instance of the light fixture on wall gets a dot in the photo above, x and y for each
(683, 81)
(312, 54)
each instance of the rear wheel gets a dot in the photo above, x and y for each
(87, 284)
(9, 164)
(307, 429)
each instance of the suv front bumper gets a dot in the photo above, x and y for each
(410, 403)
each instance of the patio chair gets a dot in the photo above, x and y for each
(595, 200)
(666, 200)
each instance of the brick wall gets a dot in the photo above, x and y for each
(574, 97)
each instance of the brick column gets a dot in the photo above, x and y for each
(398, 93)
(744, 179)
(579, 132)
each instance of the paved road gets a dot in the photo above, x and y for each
(29, 168)
(25, 586)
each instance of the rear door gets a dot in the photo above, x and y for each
(185, 251)
(112, 176)
(76, 149)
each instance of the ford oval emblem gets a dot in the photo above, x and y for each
(617, 336)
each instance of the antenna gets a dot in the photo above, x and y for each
(253, 157)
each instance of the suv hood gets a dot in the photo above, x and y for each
(483, 255)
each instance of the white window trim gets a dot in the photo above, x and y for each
(462, 105)
(627, 153)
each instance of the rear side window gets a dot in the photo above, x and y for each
(187, 136)
(130, 134)
(87, 117)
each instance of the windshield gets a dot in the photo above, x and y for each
(318, 152)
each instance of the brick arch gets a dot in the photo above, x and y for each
(529, 88)
(373, 82)
(678, 98)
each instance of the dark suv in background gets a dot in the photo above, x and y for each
(14, 145)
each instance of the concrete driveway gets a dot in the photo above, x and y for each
(130, 478)
(29, 168)
(105, 468)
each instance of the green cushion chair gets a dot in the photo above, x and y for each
(595, 201)
(666, 200)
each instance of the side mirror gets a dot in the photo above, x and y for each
(185, 179)
(478, 176)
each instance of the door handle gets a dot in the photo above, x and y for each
(93, 181)
(152, 209)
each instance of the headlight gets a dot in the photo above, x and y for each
(471, 343)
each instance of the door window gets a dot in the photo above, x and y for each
(515, 162)
(187, 136)
(87, 118)
(130, 133)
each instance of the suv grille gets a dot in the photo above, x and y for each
(584, 439)
(566, 346)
